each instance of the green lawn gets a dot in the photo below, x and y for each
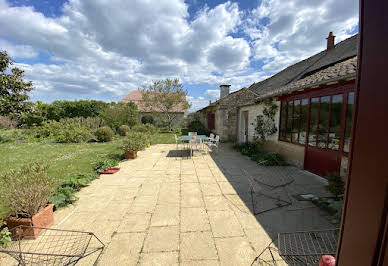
(163, 138)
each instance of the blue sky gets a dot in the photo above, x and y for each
(97, 49)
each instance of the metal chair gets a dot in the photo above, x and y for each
(177, 141)
(214, 143)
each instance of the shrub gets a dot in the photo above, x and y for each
(118, 114)
(197, 126)
(92, 123)
(104, 134)
(147, 128)
(247, 148)
(135, 141)
(72, 134)
(7, 123)
(28, 190)
(147, 119)
(105, 164)
(5, 236)
(123, 130)
(336, 184)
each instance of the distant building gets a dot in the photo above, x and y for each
(136, 97)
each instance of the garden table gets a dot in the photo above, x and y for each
(198, 137)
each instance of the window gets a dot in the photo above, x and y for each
(323, 127)
(295, 121)
(283, 120)
(335, 122)
(314, 119)
(348, 121)
(289, 120)
(303, 121)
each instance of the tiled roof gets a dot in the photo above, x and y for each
(136, 97)
(342, 70)
(342, 51)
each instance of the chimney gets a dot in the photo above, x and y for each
(224, 90)
(210, 102)
(330, 41)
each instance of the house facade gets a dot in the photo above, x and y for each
(314, 102)
(136, 97)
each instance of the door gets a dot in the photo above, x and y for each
(245, 117)
(211, 121)
(328, 132)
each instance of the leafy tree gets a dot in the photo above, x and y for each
(13, 89)
(117, 114)
(166, 97)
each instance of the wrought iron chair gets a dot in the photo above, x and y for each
(52, 247)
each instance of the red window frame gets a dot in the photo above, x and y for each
(331, 90)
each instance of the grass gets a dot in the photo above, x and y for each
(163, 138)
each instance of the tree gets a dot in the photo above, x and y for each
(13, 90)
(117, 114)
(165, 97)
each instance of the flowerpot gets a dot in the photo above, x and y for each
(44, 218)
(130, 154)
(110, 171)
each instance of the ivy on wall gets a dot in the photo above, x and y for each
(265, 123)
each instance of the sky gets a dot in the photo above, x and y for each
(102, 49)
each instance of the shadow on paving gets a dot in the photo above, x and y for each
(274, 203)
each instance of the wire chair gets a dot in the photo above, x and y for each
(52, 247)
(300, 248)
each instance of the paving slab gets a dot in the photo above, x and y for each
(194, 219)
(198, 246)
(159, 259)
(162, 239)
(224, 224)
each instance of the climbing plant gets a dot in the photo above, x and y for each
(265, 123)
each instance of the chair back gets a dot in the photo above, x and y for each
(217, 139)
(192, 133)
(211, 135)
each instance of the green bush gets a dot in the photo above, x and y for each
(123, 130)
(117, 114)
(147, 119)
(5, 236)
(26, 191)
(92, 123)
(105, 164)
(247, 148)
(336, 184)
(72, 134)
(197, 126)
(135, 141)
(104, 134)
(147, 128)
(269, 159)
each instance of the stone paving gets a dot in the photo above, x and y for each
(165, 209)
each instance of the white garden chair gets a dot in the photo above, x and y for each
(178, 141)
(214, 143)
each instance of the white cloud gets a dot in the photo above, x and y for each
(102, 49)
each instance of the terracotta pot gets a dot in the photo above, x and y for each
(44, 218)
(110, 171)
(130, 154)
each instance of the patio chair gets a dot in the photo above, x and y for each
(52, 247)
(194, 142)
(214, 143)
(300, 248)
(192, 133)
(178, 141)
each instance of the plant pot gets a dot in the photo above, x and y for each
(130, 154)
(110, 171)
(44, 218)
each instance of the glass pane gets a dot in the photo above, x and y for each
(289, 120)
(323, 128)
(335, 122)
(314, 108)
(283, 120)
(303, 121)
(348, 122)
(295, 121)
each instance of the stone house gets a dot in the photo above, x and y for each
(221, 116)
(136, 97)
(313, 118)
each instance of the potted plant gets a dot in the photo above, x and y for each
(336, 184)
(132, 143)
(26, 193)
